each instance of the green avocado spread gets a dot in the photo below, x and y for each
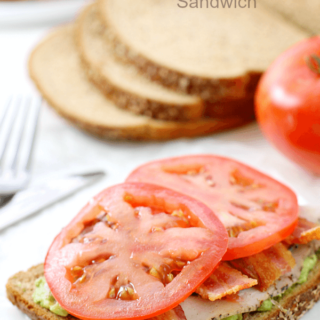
(308, 264)
(266, 306)
(43, 296)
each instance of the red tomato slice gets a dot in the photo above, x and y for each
(134, 251)
(257, 211)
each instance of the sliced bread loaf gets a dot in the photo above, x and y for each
(123, 84)
(305, 13)
(20, 288)
(129, 90)
(214, 53)
(56, 69)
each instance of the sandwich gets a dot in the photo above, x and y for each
(198, 237)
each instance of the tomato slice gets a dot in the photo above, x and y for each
(134, 251)
(257, 211)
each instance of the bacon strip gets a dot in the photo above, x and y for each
(175, 314)
(224, 281)
(305, 232)
(266, 266)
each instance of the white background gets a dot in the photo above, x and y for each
(63, 149)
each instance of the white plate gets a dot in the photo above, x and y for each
(34, 12)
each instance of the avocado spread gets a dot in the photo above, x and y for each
(308, 264)
(266, 306)
(44, 297)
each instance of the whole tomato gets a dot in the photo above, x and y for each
(287, 104)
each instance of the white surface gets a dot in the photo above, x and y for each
(34, 12)
(62, 148)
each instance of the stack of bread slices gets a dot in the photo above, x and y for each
(150, 70)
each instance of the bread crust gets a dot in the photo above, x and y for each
(242, 108)
(211, 90)
(20, 288)
(153, 130)
(139, 105)
(123, 98)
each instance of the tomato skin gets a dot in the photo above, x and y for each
(84, 301)
(233, 253)
(274, 227)
(287, 105)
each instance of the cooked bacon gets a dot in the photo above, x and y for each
(249, 300)
(266, 266)
(175, 314)
(305, 232)
(224, 281)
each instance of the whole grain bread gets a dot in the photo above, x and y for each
(131, 91)
(304, 13)
(215, 53)
(56, 69)
(123, 84)
(20, 288)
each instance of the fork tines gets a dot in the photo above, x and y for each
(18, 123)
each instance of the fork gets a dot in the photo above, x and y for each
(17, 135)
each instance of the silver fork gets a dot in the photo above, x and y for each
(18, 125)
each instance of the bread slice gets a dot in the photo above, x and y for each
(20, 288)
(305, 13)
(214, 53)
(56, 69)
(123, 84)
(129, 90)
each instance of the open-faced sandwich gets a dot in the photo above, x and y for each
(196, 238)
